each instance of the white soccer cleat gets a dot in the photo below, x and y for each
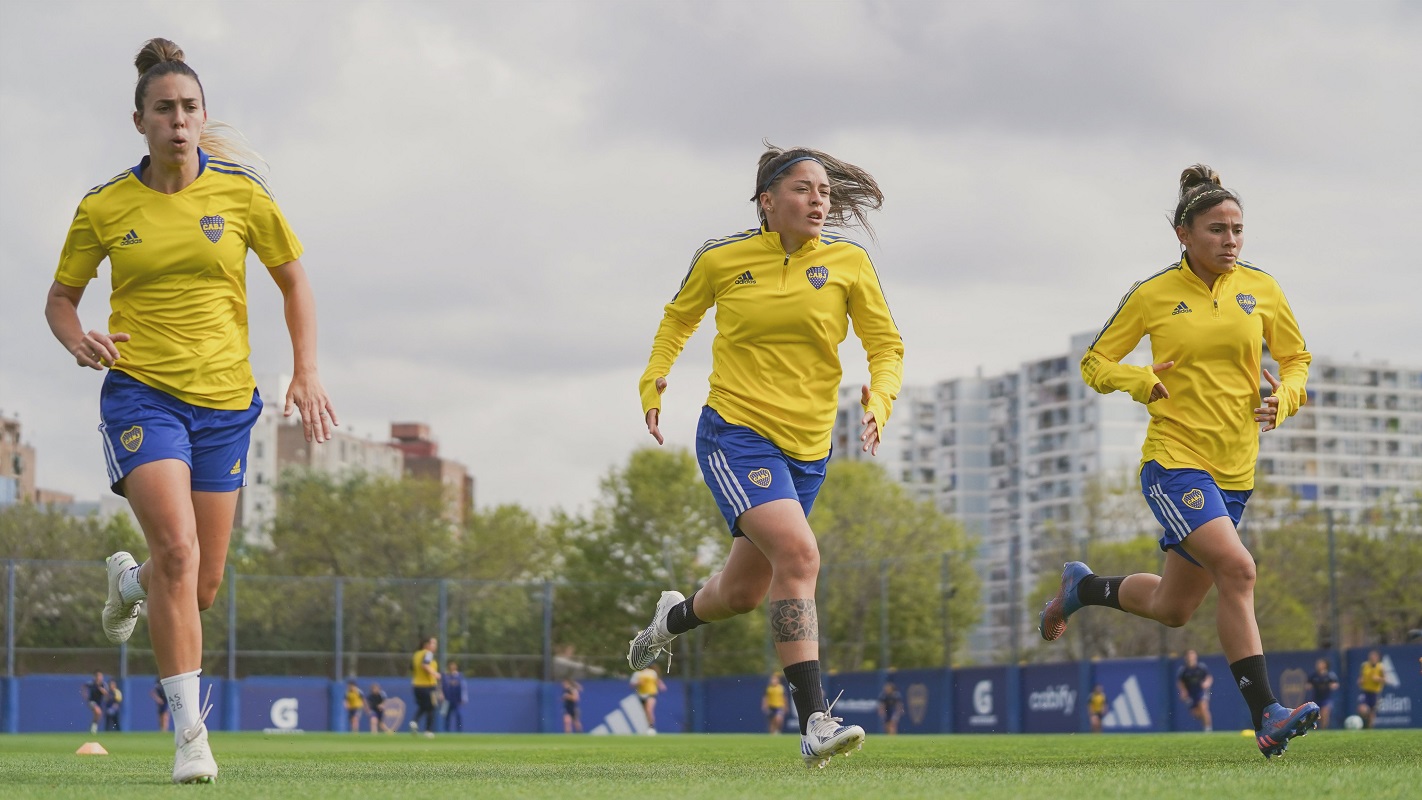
(414, 728)
(826, 738)
(648, 645)
(194, 762)
(119, 617)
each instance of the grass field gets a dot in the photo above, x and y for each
(1371, 764)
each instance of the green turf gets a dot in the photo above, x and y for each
(1372, 764)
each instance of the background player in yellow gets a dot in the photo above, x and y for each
(785, 295)
(647, 683)
(1206, 316)
(772, 705)
(178, 402)
(1371, 679)
(424, 680)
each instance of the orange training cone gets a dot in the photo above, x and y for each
(91, 749)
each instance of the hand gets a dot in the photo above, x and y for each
(654, 416)
(1159, 392)
(318, 416)
(96, 350)
(870, 436)
(1268, 413)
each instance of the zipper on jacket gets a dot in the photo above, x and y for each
(785, 272)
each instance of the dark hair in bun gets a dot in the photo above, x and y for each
(1200, 191)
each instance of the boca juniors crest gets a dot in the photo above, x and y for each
(1194, 499)
(817, 276)
(1246, 302)
(212, 227)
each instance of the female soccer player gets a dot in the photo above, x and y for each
(784, 295)
(178, 402)
(1205, 316)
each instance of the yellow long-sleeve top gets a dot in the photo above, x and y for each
(1371, 677)
(779, 322)
(1213, 335)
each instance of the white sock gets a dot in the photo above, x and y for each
(183, 700)
(129, 588)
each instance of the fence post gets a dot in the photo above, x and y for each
(443, 621)
(1014, 577)
(340, 631)
(1334, 626)
(883, 614)
(11, 722)
(231, 695)
(547, 630)
(945, 592)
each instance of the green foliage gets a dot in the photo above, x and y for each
(877, 544)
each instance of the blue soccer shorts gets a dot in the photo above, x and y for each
(744, 469)
(140, 424)
(1184, 499)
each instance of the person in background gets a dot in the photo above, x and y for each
(572, 694)
(648, 684)
(160, 701)
(1096, 707)
(452, 688)
(1371, 679)
(95, 693)
(1323, 682)
(355, 706)
(773, 704)
(1195, 680)
(424, 680)
(891, 707)
(375, 703)
(112, 705)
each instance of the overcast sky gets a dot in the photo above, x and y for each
(497, 199)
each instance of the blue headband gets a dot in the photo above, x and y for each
(765, 187)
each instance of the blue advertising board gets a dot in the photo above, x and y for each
(1135, 694)
(1228, 711)
(285, 705)
(1052, 698)
(925, 693)
(980, 700)
(732, 705)
(611, 707)
(859, 705)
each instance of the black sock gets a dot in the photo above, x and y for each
(1097, 591)
(682, 618)
(1252, 677)
(806, 690)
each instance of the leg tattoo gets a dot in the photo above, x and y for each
(794, 620)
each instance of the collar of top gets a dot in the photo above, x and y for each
(771, 240)
(1185, 267)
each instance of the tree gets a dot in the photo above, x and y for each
(876, 543)
(653, 527)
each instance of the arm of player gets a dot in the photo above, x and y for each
(680, 319)
(305, 394)
(884, 350)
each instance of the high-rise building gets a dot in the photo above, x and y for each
(1012, 457)
(17, 464)
(422, 461)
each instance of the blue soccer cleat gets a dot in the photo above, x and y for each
(1053, 619)
(1282, 724)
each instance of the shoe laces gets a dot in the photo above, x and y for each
(201, 722)
(827, 718)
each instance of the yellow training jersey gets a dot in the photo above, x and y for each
(775, 696)
(646, 681)
(1214, 337)
(419, 675)
(1371, 677)
(179, 264)
(779, 322)
(1097, 703)
(354, 699)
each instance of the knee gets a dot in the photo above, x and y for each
(799, 563)
(1175, 617)
(175, 559)
(1236, 575)
(744, 601)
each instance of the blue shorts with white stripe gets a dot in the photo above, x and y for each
(140, 424)
(1185, 499)
(744, 469)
